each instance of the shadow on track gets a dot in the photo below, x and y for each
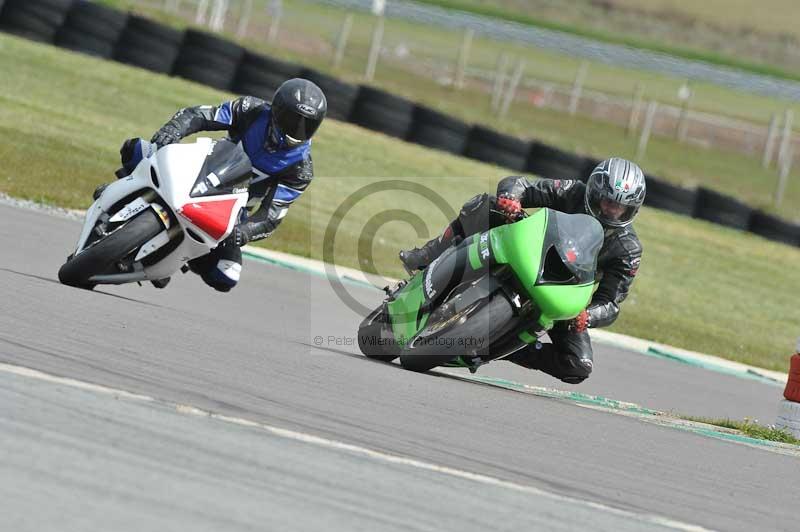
(49, 280)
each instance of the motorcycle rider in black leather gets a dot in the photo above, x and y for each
(276, 137)
(613, 194)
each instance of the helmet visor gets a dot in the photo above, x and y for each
(608, 211)
(296, 126)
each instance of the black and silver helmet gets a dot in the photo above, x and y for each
(298, 108)
(615, 191)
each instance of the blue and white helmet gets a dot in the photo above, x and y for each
(615, 191)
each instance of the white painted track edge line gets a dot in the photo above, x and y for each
(354, 449)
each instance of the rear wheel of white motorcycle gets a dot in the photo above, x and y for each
(101, 257)
(442, 342)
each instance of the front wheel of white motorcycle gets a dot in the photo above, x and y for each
(101, 257)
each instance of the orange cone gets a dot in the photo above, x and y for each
(792, 391)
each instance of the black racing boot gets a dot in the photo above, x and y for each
(418, 258)
(99, 190)
(161, 283)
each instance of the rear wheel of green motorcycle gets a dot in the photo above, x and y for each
(442, 342)
(100, 257)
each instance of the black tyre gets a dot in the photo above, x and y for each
(143, 59)
(84, 42)
(773, 228)
(101, 257)
(260, 75)
(669, 197)
(207, 59)
(721, 209)
(491, 147)
(148, 45)
(34, 19)
(440, 343)
(437, 130)
(370, 339)
(96, 20)
(553, 163)
(341, 96)
(384, 112)
(207, 76)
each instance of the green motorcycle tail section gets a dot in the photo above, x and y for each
(404, 310)
(520, 245)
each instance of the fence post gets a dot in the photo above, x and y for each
(200, 14)
(463, 58)
(217, 22)
(685, 95)
(244, 19)
(648, 126)
(769, 145)
(512, 88)
(375, 48)
(636, 109)
(275, 10)
(785, 167)
(499, 80)
(577, 87)
(341, 40)
(786, 139)
(785, 156)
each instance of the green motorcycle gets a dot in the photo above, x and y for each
(488, 296)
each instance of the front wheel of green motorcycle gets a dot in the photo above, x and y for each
(461, 334)
(371, 338)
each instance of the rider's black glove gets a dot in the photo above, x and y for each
(168, 134)
(240, 236)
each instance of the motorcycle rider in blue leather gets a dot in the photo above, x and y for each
(276, 136)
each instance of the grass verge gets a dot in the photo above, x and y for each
(749, 427)
(63, 117)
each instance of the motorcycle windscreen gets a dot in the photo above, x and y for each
(226, 168)
(571, 246)
(570, 249)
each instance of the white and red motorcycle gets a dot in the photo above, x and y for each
(177, 205)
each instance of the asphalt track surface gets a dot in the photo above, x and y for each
(250, 354)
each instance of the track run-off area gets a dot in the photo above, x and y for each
(131, 408)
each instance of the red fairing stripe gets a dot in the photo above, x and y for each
(210, 216)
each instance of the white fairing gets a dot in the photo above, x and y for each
(176, 168)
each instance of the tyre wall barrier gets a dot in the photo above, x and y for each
(259, 75)
(721, 209)
(208, 59)
(92, 29)
(149, 45)
(381, 111)
(38, 20)
(773, 228)
(490, 146)
(666, 196)
(222, 64)
(433, 129)
(547, 161)
(341, 96)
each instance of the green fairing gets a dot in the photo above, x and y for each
(405, 308)
(520, 246)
